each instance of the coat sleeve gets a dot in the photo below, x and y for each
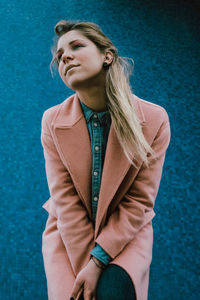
(129, 216)
(74, 225)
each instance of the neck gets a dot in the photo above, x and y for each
(95, 98)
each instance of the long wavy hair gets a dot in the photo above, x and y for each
(120, 96)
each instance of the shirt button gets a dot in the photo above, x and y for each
(95, 173)
(95, 116)
(95, 124)
(96, 148)
(95, 198)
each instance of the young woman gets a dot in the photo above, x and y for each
(104, 150)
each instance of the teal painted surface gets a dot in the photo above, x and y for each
(163, 39)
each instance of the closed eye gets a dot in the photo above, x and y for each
(58, 57)
(77, 46)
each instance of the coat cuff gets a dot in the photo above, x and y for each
(100, 254)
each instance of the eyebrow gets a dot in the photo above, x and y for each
(69, 44)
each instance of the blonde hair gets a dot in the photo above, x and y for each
(120, 97)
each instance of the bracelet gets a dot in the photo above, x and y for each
(98, 264)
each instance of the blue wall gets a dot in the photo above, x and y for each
(162, 38)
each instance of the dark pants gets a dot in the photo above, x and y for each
(114, 284)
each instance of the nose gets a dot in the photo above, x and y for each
(65, 58)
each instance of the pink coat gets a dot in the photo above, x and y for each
(125, 207)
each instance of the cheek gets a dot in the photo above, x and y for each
(83, 55)
(89, 59)
(92, 65)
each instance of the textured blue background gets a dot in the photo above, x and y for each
(162, 38)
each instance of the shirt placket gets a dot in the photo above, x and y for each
(96, 164)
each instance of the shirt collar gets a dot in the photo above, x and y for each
(88, 113)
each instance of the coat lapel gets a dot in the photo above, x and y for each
(73, 144)
(116, 165)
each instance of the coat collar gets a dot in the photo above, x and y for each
(70, 112)
(73, 143)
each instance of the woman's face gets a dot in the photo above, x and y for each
(73, 48)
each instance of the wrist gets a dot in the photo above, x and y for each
(98, 263)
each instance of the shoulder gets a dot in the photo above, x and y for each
(50, 114)
(151, 112)
(155, 121)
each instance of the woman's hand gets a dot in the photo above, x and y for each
(86, 280)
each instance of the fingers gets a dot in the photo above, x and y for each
(77, 288)
(88, 294)
(94, 298)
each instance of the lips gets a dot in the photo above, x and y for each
(69, 67)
